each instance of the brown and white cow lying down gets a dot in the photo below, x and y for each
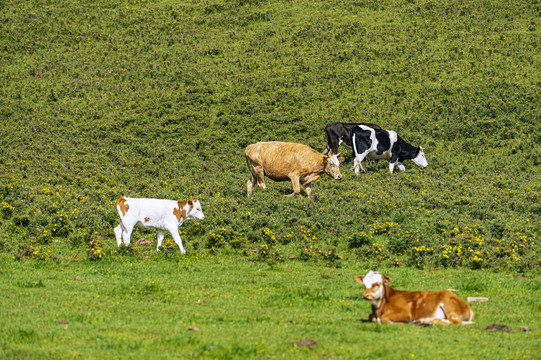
(281, 161)
(161, 214)
(426, 307)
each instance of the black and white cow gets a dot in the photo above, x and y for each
(340, 133)
(383, 144)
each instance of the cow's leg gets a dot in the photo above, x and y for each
(118, 234)
(397, 164)
(126, 233)
(308, 189)
(357, 163)
(258, 177)
(176, 236)
(160, 239)
(373, 317)
(250, 185)
(453, 318)
(393, 317)
(394, 162)
(394, 157)
(260, 174)
(326, 150)
(296, 185)
(436, 322)
(362, 145)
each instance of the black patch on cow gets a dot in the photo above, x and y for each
(407, 151)
(384, 141)
(395, 153)
(362, 139)
(334, 133)
(338, 130)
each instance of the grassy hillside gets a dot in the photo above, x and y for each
(104, 99)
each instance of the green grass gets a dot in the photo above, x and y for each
(159, 99)
(125, 307)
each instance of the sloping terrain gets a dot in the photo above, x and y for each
(159, 99)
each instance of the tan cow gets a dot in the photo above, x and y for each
(281, 161)
(426, 307)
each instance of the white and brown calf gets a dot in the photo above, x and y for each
(157, 213)
(427, 307)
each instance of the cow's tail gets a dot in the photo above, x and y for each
(328, 138)
(354, 146)
(250, 167)
(120, 228)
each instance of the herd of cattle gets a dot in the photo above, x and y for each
(301, 164)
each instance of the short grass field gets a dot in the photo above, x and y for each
(159, 98)
(219, 307)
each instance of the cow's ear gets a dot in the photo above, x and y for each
(359, 279)
(341, 159)
(386, 280)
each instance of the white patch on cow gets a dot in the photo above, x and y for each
(371, 150)
(340, 141)
(334, 159)
(440, 314)
(355, 153)
(401, 167)
(393, 136)
(420, 159)
(372, 278)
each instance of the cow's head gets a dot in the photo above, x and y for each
(373, 285)
(331, 166)
(195, 212)
(420, 159)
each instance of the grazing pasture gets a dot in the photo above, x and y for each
(213, 306)
(159, 99)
